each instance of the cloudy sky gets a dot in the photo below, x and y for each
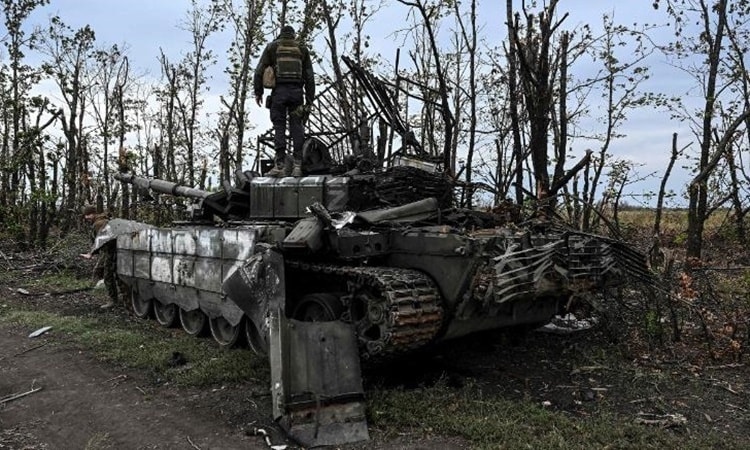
(148, 25)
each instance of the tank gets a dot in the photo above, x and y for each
(359, 261)
(322, 272)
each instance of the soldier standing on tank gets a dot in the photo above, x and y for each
(107, 262)
(293, 71)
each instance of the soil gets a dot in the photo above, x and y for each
(86, 403)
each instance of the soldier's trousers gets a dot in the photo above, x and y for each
(117, 290)
(285, 98)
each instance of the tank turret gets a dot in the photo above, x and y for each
(264, 198)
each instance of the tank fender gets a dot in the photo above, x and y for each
(257, 287)
(114, 228)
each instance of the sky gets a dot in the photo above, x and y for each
(148, 25)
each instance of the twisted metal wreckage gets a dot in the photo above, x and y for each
(362, 259)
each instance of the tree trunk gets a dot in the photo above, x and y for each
(697, 192)
(663, 186)
(513, 98)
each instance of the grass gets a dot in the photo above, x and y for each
(674, 223)
(57, 282)
(147, 347)
(492, 422)
(142, 345)
(98, 441)
(482, 419)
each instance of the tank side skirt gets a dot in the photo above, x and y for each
(186, 267)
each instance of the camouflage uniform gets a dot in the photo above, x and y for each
(293, 89)
(106, 265)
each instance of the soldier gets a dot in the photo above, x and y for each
(293, 71)
(107, 263)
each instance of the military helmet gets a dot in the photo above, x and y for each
(287, 29)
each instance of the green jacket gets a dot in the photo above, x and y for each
(268, 58)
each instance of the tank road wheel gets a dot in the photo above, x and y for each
(254, 340)
(166, 315)
(224, 333)
(319, 307)
(193, 322)
(370, 314)
(141, 307)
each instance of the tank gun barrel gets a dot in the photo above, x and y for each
(162, 186)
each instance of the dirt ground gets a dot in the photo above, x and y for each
(83, 403)
(86, 403)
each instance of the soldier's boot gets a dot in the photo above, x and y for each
(297, 170)
(282, 168)
(276, 172)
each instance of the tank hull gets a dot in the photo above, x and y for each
(187, 266)
(482, 280)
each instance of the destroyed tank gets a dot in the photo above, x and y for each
(365, 258)
(323, 271)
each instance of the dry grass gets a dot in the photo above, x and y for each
(674, 224)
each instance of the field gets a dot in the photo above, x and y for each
(110, 381)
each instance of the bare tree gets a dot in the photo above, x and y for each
(109, 74)
(715, 80)
(245, 22)
(470, 41)
(619, 83)
(428, 13)
(511, 55)
(332, 19)
(355, 43)
(167, 94)
(67, 51)
(663, 186)
(736, 158)
(533, 52)
(201, 22)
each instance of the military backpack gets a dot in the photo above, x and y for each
(288, 61)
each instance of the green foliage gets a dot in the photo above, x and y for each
(13, 229)
(145, 346)
(652, 326)
(679, 239)
(745, 282)
(57, 282)
(163, 212)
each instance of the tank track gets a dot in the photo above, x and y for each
(404, 314)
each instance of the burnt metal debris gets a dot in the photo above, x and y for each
(351, 263)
